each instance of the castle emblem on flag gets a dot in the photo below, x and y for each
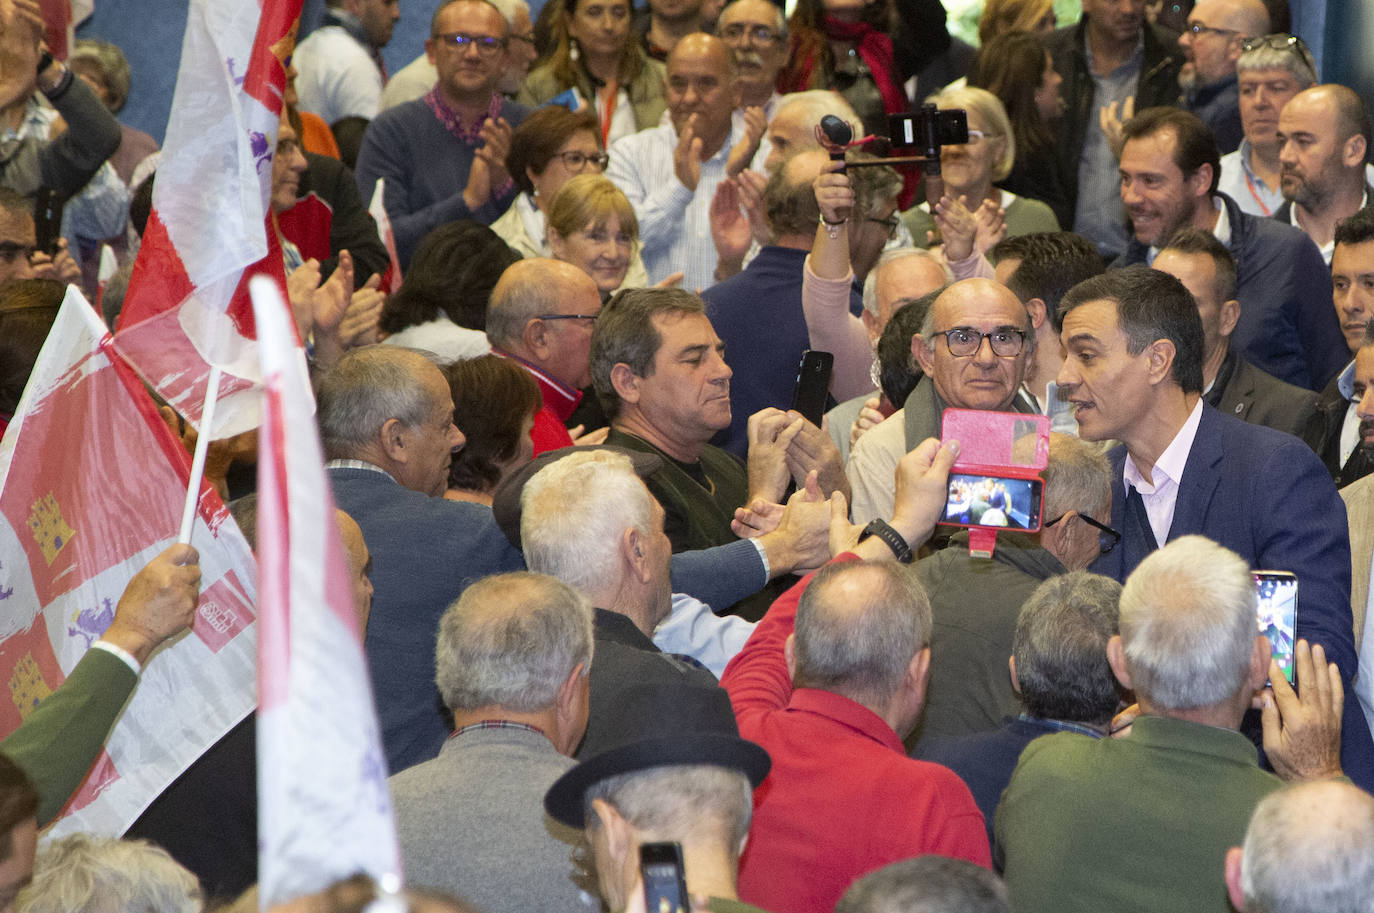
(27, 687)
(49, 529)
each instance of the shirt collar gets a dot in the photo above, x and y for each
(470, 134)
(849, 713)
(1172, 460)
(359, 464)
(1221, 231)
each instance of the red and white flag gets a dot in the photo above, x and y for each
(391, 282)
(187, 306)
(324, 811)
(92, 483)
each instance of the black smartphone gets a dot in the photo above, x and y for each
(47, 220)
(665, 886)
(813, 387)
(1277, 603)
(993, 502)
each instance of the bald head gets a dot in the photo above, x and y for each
(1324, 137)
(531, 290)
(1309, 849)
(702, 89)
(859, 626)
(980, 379)
(899, 278)
(1212, 52)
(1248, 17)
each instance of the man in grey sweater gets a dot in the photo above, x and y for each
(512, 659)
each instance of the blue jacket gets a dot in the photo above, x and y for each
(1266, 496)
(1287, 325)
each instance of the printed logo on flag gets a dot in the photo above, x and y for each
(30, 672)
(50, 531)
(221, 614)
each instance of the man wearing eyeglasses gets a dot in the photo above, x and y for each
(976, 601)
(975, 346)
(541, 317)
(340, 63)
(443, 156)
(756, 33)
(1133, 373)
(417, 77)
(1212, 43)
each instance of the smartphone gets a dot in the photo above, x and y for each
(1277, 593)
(993, 502)
(813, 386)
(665, 886)
(47, 220)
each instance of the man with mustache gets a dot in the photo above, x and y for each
(756, 34)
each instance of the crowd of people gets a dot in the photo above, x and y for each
(615, 591)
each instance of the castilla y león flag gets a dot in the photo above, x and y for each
(92, 483)
(211, 227)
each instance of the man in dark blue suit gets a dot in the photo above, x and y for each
(1134, 374)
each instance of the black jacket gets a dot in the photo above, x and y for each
(1157, 85)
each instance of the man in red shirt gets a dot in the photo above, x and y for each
(829, 683)
(541, 316)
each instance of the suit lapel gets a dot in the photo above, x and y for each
(1201, 474)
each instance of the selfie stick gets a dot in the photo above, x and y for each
(839, 133)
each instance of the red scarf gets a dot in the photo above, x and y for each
(875, 49)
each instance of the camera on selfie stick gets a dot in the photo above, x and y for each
(916, 139)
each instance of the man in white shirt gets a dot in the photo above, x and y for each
(340, 63)
(671, 172)
(1324, 137)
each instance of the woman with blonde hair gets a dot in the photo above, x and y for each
(971, 170)
(592, 225)
(1002, 16)
(597, 61)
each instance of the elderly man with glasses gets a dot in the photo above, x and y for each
(443, 156)
(1212, 42)
(974, 348)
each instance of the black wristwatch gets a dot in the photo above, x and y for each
(884, 531)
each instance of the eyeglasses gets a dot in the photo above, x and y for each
(1006, 342)
(574, 160)
(890, 224)
(758, 34)
(487, 45)
(10, 251)
(591, 317)
(1281, 41)
(1107, 538)
(1197, 28)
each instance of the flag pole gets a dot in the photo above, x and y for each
(207, 423)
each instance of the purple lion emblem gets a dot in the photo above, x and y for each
(90, 623)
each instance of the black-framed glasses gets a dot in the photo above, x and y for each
(487, 45)
(1282, 41)
(591, 317)
(574, 160)
(757, 34)
(1107, 538)
(890, 224)
(1006, 342)
(1197, 28)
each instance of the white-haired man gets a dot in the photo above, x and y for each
(512, 660)
(1112, 808)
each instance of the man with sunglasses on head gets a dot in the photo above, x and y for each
(1212, 43)
(443, 156)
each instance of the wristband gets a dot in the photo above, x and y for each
(832, 229)
(884, 531)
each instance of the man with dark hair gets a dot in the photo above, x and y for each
(1335, 431)
(1231, 384)
(976, 601)
(758, 312)
(1133, 373)
(659, 370)
(340, 62)
(1169, 172)
(1111, 55)
(927, 884)
(1324, 140)
(1059, 673)
(444, 156)
(829, 683)
(1039, 268)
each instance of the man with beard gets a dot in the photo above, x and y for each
(1324, 136)
(1169, 169)
(1212, 43)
